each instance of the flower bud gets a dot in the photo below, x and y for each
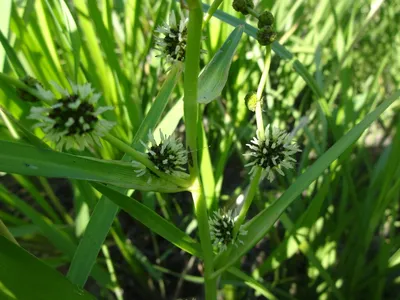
(242, 6)
(266, 35)
(266, 19)
(251, 101)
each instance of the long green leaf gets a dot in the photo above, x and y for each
(25, 277)
(258, 227)
(251, 282)
(33, 139)
(5, 12)
(27, 160)
(215, 74)
(12, 56)
(152, 220)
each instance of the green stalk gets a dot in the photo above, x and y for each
(142, 158)
(253, 12)
(260, 89)
(110, 266)
(211, 11)
(260, 128)
(56, 202)
(192, 69)
(191, 113)
(248, 200)
(200, 207)
(6, 233)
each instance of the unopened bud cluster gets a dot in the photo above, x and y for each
(266, 34)
(243, 6)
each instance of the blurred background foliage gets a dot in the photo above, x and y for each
(340, 239)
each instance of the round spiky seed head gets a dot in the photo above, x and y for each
(266, 19)
(173, 45)
(168, 156)
(222, 225)
(242, 6)
(72, 120)
(32, 83)
(266, 35)
(272, 153)
(251, 101)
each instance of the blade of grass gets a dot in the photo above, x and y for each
(5, 12)
(152, 220)
(6, 233)
(12, 56)
(27, 160)
(251, 282)
(19, 268)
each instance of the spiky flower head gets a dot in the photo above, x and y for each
(221, 230)
(32, 83)
(168, 156)
(272, 153)
(72, 120)
(173, 45)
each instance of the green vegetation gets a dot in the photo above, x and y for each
(218, 150)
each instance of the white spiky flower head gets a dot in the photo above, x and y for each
(71, 121)
(221, 230)
(173, 45)
(168, 156)
(272, 153)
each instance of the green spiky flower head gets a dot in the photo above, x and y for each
(72, 121)
(272, 153)
(168, 156)
(172, 45)
(221, 229)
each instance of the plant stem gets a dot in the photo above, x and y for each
(55, 200)
(192, 59)
(260, 89)
(248, 200)
(142, 158)
(211, 11)
(191, 112)
(260, 128)
(6, 233)
(253, 12)
(200, 207)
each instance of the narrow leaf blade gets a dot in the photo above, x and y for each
(214, 76)
(28, 278)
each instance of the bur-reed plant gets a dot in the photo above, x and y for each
(248, 157)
